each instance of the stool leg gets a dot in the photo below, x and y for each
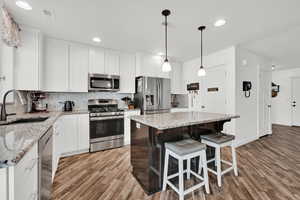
(181, 180)
(166, 170)
(200, 165)
(234, 162)
(205, 173)
(218, 160)
(188, 168)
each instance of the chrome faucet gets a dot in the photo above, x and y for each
(3, 116)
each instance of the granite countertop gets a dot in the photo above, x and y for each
(17, 139)
(179, 119)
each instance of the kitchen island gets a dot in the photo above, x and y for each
(150, 132)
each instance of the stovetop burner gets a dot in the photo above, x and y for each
(104, 107)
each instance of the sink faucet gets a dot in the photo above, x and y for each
(3, 116)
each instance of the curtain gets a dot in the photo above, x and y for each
(10, 32)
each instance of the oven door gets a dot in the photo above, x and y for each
(106, 128)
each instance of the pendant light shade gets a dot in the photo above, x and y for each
(201, 71)
(166, 67)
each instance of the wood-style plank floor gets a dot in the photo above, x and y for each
(269, 169)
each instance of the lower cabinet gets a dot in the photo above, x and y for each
(127, 129)
(71, 137)
(21, 180)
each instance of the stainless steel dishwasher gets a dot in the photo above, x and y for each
(45, 165)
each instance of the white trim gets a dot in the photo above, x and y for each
(242, 142)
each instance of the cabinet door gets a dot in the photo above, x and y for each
(127, 73)
(150, 65)
(97, 65)
(83, 132)
(68, 133)
(78, 68)
(55, 76)
(112, 63)
(26, 61)
(6, 72)
(127, 121)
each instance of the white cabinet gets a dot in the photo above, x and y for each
(97, 63)
(112, 62)
(127, 73)
(83, 132)
(74, 133)
(176, 78)
(6, 71)
(127, 122)
(173, 110)
(150, 65)
(71, 136)
(28, 60)
(78, 68)
(65, 67)
(56, 71)
(20, 182)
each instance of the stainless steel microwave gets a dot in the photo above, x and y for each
(104, 82)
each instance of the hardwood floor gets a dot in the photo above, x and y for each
(269, 169)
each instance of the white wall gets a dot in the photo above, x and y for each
(281, 105)
(233, 60)
(224, 59)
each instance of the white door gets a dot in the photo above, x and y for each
(127, 73)
(296, 101)
(79, 64)
(56, 70)
(69, 131)
(83, 132)
(213, 90)
(265, 94)
(97, 64)
(112, 63)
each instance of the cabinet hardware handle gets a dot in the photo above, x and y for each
(2, 78)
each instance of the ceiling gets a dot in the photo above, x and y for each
(136, 25)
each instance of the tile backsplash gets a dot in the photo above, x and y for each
(55, 100)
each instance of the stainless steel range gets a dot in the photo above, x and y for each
(106, 124)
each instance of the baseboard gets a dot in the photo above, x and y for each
(245, 141)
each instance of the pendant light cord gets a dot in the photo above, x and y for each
(166, 36)
(201, 49)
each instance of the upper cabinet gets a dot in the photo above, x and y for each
(104, 61)
(97, 61)
(78, 68)
(150, 65)
(65, 66)
(28, 61)
(112, 62)
(56, 71)
(127, 73)
(176, 78)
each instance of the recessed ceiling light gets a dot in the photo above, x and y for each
(24, 5)
(96, 39)
(220, 22)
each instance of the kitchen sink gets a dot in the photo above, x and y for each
(25, 120)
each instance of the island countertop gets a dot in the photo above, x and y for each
(165, 121)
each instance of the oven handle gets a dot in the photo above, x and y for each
(105, 118)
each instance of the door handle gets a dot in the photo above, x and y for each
(269, 106)
(202, 106)
(294, 105)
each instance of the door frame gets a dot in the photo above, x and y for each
(291, 98)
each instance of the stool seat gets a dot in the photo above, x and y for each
(218, 138)
(185, 147)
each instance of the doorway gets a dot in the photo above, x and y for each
(295, 101)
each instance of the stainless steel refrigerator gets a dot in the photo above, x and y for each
(153, 95)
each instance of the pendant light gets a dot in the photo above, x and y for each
(201, 71)
(166, 67)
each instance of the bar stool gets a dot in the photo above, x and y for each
(185, 150)
(218, 141)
